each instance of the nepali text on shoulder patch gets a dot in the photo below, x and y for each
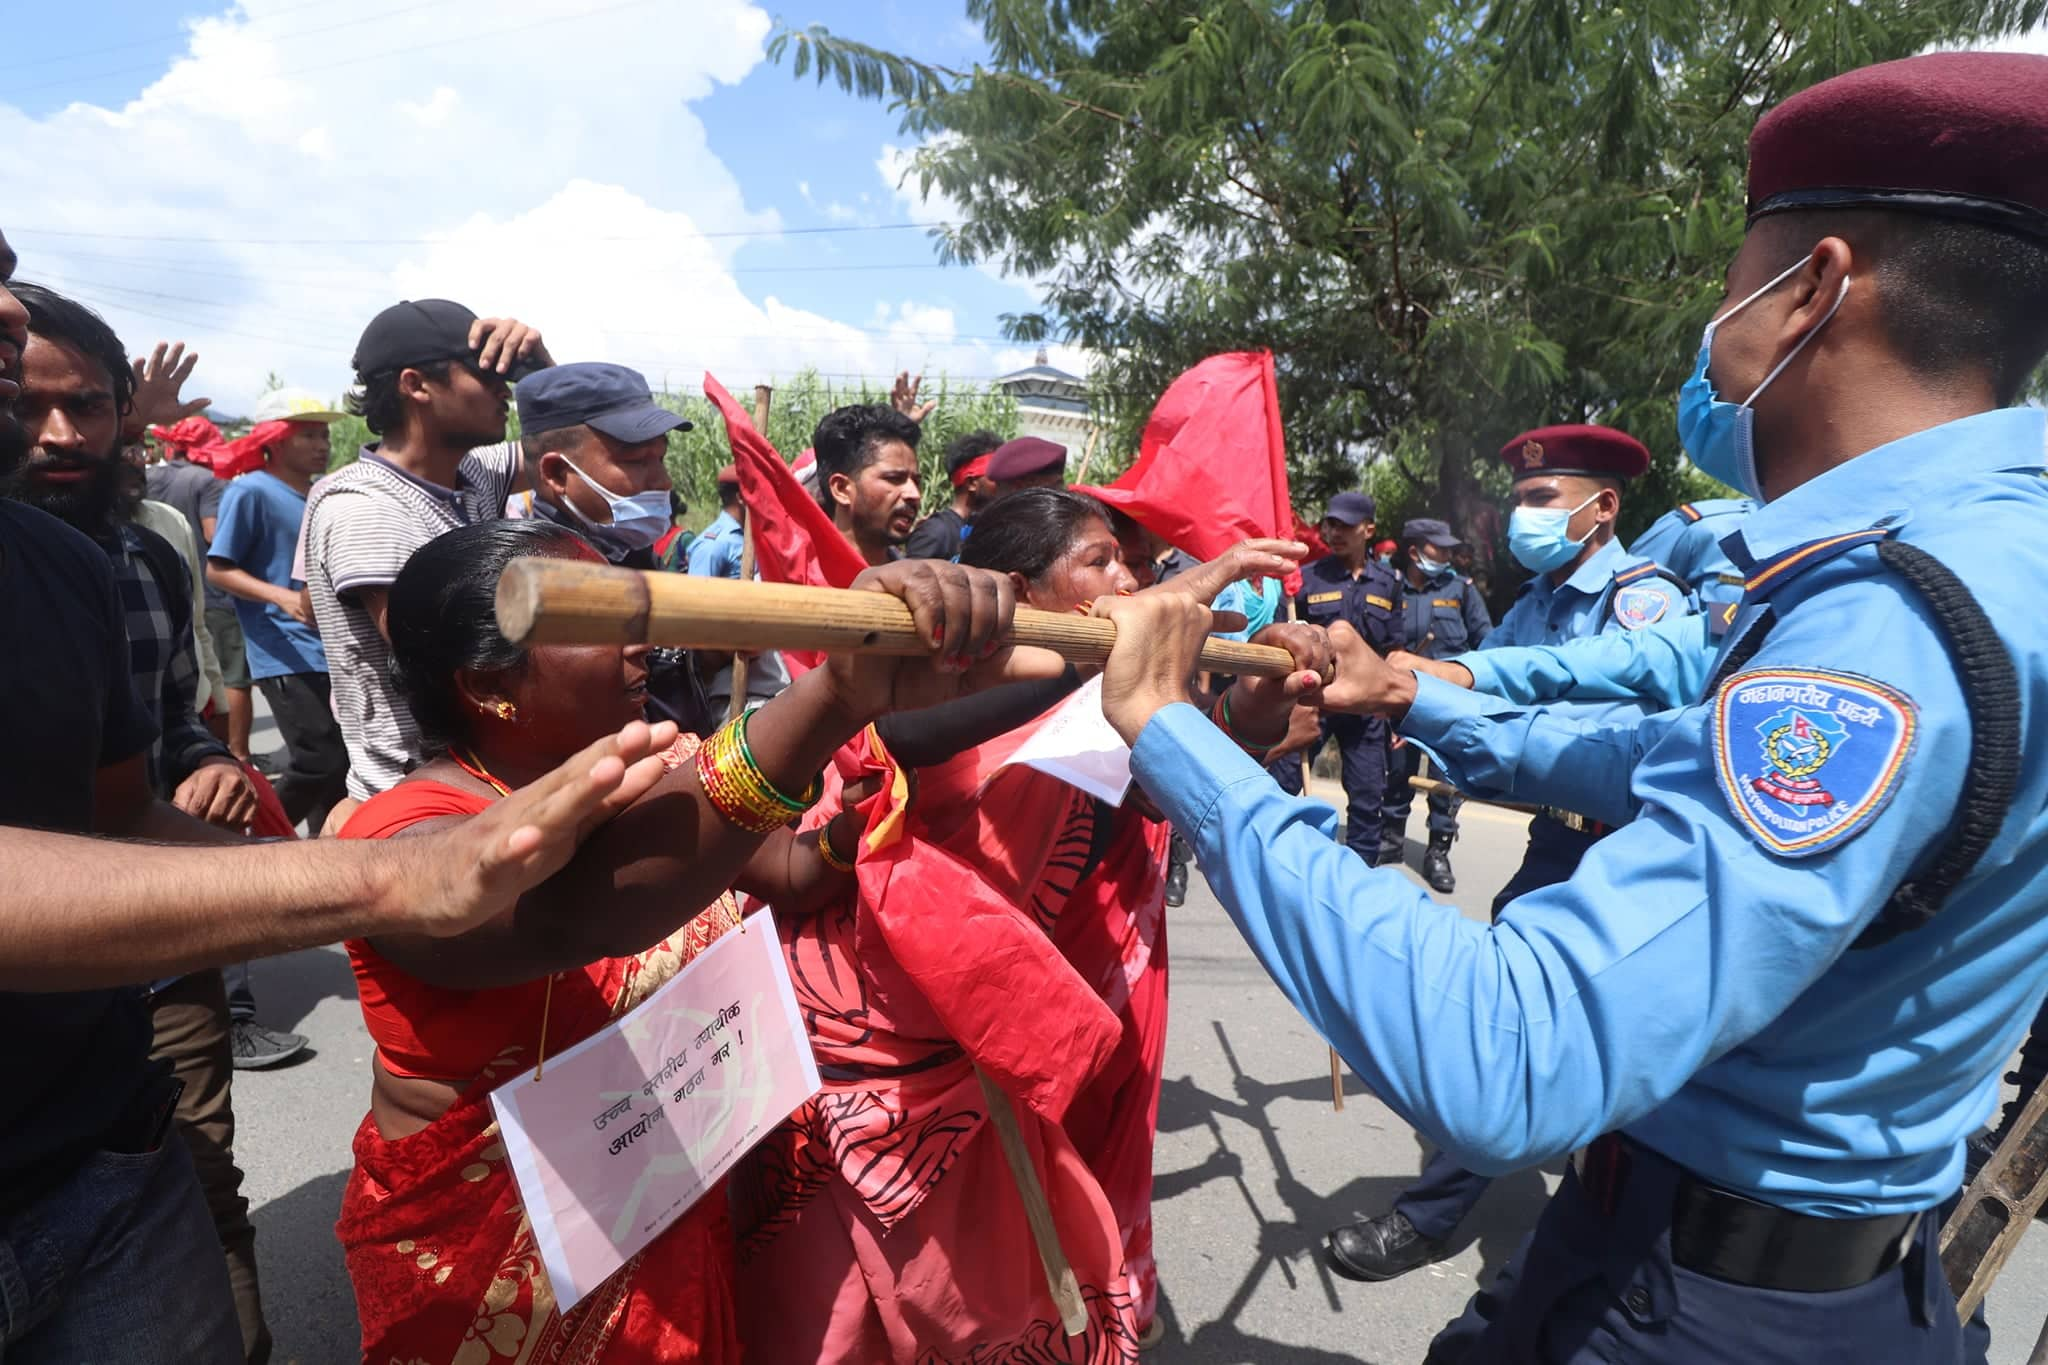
(1641, 604)
(1808, 757)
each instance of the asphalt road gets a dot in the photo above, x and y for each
(1253, 1165)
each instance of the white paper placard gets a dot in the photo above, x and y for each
(1077, 744)
(627, 1129)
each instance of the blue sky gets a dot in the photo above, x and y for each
(632, 175)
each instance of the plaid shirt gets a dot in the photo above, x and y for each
(161, 657)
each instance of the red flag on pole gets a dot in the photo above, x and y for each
(794, 541)
(1212, 463)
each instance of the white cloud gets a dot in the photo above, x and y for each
(275, 187)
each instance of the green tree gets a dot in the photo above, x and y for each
(1449, 221)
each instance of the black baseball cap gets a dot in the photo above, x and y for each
(1431, 531)
(421, 332)
(607, 398)
(1353, 509)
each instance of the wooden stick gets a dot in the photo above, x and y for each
(1997, 1208)
(1088, 455)
(736, 704)
(1336, 1081)
(562, 602)
(1059, 1272)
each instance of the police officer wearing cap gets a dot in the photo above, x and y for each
(1765, 1013)
(1687, 541)
(1566, 495)
(595, 445)
(1443, 615)
(1349, 585)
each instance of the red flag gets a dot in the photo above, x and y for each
(794, 541)
(1212, 464)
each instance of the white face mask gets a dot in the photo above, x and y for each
(637, 521)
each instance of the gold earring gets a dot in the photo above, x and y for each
(506, 710)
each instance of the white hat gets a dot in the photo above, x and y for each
(293, 405)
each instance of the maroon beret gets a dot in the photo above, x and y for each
(1575, 449)
(1953, 134)
(1025, 456)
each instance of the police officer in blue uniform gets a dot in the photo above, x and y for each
(1349, 585)
(1766, 1012)
(1687, 541)
(1567, 497)
(1443, 615)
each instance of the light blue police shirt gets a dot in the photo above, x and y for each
(1665, 664)
(1583, 604)
(1693, 983)
(716, 553)
(1687, 541)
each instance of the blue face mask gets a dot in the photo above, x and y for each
(637, 522)
(1432, 570)
(1719, 436)
(1540, 537)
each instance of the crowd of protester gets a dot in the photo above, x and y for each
(519, 844)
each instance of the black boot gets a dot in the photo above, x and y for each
(1177, 872)
(1436, 864)
(1393, 848)
(1381, 1248)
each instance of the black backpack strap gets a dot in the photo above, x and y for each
(1991, 691)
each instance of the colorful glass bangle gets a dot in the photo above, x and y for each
(738, 788)
(1221, 715)
(825, 850)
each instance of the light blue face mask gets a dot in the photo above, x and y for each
(1540, 537)
(1433, 570)
(637, 522)
(1719, 436)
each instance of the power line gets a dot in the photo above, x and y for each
(76, 53)
(325, 279)
(437, 241)
(159, 66)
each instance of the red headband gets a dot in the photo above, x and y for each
(973, 469)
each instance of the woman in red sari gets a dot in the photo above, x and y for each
(441, 1255)
(1011, 925)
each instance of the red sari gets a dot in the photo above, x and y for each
(880, 1223)
(437, 1243)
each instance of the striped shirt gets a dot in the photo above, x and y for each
(362, 524)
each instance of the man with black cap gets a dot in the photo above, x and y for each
(433, 380)
(1349, 585)
(1766, 1013)
(968, 456)
(1028, 462)
(595, 445)
(1443, 615)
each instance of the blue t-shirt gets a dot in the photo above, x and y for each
(257, 531)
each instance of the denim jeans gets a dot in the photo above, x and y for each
(117, 1262)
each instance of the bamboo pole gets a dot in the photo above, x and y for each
(1997, 1208)
(564, 601)
(1088, 455)
(736, 704)
(1059, 1271)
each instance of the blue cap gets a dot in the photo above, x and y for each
(1353, 509)
(1431, 531)
(607, 398)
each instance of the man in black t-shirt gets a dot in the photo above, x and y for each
(99, 1205)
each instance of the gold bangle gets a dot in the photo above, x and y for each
(825, 850)
(738, 789)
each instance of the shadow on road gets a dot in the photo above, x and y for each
(287, 988)
(306, 1296)
(1291, 1238)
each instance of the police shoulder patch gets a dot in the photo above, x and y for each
(1807, 757)
(1644, 603)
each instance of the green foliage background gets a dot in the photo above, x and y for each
(1450, 222)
